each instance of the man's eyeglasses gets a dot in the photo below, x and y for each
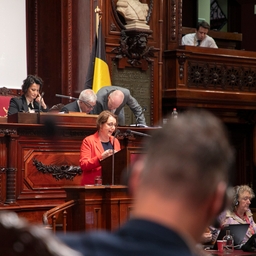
(87, 104)
(111, 124)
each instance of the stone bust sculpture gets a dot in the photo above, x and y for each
(134, 12)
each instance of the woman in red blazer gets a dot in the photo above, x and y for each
(98, 146)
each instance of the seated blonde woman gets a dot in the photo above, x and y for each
(240, 212)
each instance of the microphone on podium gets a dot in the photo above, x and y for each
(71, 98)
(113, 157)
(66, 97)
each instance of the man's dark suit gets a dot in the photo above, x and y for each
(137, 237)
(131, 102)
(19, 104)
(71, 107)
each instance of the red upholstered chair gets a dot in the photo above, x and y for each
(5, 96)
(4, 105)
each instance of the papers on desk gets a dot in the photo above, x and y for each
(139, 125)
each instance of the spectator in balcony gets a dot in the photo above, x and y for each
(31, 100)
(200, 37)
(85, 103)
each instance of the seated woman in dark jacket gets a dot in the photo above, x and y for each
(31, 100)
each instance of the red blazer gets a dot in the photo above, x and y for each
(90, 155)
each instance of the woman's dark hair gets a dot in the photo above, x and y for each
(31, 79)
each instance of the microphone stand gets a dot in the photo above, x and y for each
(113, 158)
(39, 108)
(70, 98)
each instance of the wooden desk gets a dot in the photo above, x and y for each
(98, 207)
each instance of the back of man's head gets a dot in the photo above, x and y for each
(188, 157)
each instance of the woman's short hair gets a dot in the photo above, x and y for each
(31, 79)
(103, 118)
(238, 190)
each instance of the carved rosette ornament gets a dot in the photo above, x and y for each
(218, 76)
(181, 59)
(133, 17)
(133, 45)
(8, 132)
(58, 172)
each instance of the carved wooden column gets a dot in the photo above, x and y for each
(11, 169)
(3, 165)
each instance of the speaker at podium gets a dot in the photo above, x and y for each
(114, 167)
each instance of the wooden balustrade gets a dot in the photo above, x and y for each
(54, 213)
(210, 78)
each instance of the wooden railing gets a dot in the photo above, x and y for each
(210, 78)
(54, 213)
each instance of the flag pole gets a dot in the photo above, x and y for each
(98, 17)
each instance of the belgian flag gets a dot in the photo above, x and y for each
(98, 72)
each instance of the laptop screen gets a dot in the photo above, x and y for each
(238, 231)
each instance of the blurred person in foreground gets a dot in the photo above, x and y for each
(31, 100)
(240, 212)
(98, 146)
(85, 103)
(179, 187)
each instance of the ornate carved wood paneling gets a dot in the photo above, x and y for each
(173, 27)
(207, 76)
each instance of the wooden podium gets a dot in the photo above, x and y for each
(122, 160)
